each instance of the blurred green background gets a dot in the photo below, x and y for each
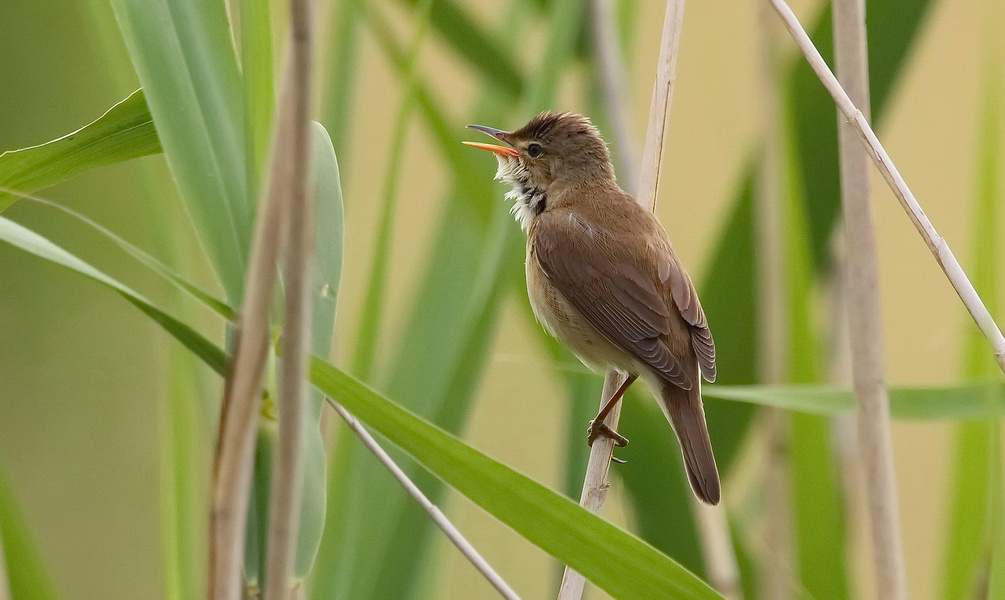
(83, 377)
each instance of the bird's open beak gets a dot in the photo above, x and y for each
(497, 134)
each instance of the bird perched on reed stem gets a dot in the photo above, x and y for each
(603, 277)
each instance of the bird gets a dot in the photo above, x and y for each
(603, 277)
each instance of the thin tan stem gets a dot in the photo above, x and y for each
(595, 483)
(865, 326)
(860, 126)
(287, 473)
(614, 83)
(772, 318)
(659, 108)
(717, 549)
(236, 442)
(448, 528)
(776, 564)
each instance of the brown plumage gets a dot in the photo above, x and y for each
(603, 277)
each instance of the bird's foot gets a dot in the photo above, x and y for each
(600, 428)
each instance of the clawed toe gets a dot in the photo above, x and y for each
(601, 429)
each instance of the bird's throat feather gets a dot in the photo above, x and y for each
(528, 200)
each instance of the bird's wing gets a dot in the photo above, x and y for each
(686, 299)
(620, 297)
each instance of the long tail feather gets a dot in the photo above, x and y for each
(684, 409)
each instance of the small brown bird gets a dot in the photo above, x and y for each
(603, 277)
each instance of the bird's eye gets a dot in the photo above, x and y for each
(534, 150)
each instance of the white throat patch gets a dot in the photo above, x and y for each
(528, 201)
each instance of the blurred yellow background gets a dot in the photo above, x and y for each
(82, 373)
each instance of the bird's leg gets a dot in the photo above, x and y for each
(597, 425)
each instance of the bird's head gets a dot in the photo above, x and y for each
(553, 148)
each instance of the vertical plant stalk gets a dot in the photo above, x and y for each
(614, 83)
(287, 474)
(595, 484)
(861, 272)
(242, 391)
(236, 443)
(860, 126)
(448, 528)
(717, 549)
(772, 313)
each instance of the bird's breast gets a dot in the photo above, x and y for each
(561, 319)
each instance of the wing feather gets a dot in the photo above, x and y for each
(615, 293)
(686, 297)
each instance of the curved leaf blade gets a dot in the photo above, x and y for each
(613, 559)
(33, 243)
(125, 131)
(184, 54)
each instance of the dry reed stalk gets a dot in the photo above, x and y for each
(717, 549)
(865, 327)
(936, 244)
(287, 473)
(772, 318)
(595, 483)
(614, 83)
(775, 569)
(448, 528)
(236, 442)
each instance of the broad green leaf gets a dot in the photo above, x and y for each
(184, 55)
(330, 241)
(258, 85)
(26, 572)
(125, 131)
(328, 253)
(611, 558)
(818, 507)
(817, 503)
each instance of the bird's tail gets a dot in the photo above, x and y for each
(683, 408)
